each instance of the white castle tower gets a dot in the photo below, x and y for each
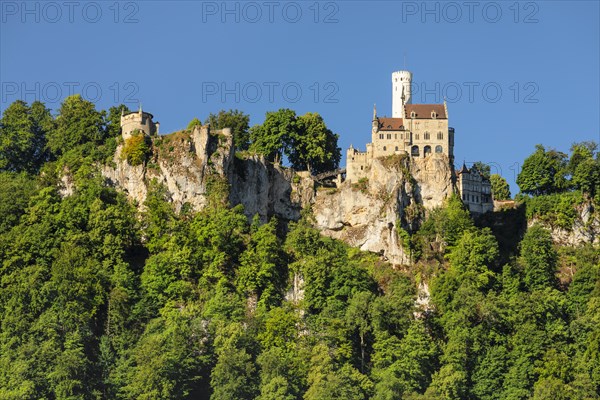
(401, 81)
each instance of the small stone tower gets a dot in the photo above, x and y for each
(138, 121)
(401, 92)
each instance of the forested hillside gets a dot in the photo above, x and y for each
(104, 299)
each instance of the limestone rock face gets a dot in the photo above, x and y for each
(175, 164)
(369, 214)
(185, 161)
(585, 228)
(268, 189)
(434, 177)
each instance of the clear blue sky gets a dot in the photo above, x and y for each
(515, 74)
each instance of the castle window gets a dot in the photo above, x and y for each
(416, 136)
(395, 136)
(427, 150)
(396, 148)
(402, 136)
(389, 135)
(384, 148)
(414, 151)
(426, 135)
(412, 114)
(381, 136)
(361, 167)
(433, 115)
(440, 136)
(438, 149)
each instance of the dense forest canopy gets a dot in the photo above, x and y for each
(101, 299)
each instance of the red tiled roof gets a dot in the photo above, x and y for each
(423, 111)
(390, 124)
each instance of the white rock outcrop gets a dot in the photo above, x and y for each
(370, 213)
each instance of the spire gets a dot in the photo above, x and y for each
(140, 110)
(122, 111)
(374, 112)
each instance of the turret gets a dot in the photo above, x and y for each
(401, 92)
(138, 121)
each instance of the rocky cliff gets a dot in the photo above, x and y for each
(185, 161)
(585, 228)
(370, 214)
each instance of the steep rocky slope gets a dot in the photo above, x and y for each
(368, 215)
(185, 162)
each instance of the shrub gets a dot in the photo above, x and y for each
(557, 210)
(136, 149)
(362, 185)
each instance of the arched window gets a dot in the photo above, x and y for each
(440, 136)
(384, 148)
(438, 149)
(412, 114)
(426, 135)
(396, 148)
(427, 150)
(414, 151)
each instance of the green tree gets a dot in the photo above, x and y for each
(261, 271)
(483, 168)
(587, 176)
(194, 123)
(113, 120)
(136, 149)
(313, 146)
(404, 366)
(23, 132)
(580, 152)
(78, 122)
(15, 191)
(272, 137)
(233, 377)
(238, 121)
(500, 188)
(543, 172)
(538, 258)
(328, 381)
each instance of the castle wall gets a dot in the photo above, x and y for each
(137, 121)
(356, 164)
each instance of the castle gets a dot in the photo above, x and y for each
(417, 130)
(420, 131)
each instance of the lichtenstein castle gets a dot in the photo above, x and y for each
(420, 131)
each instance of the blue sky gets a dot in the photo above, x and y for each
(514, 73)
